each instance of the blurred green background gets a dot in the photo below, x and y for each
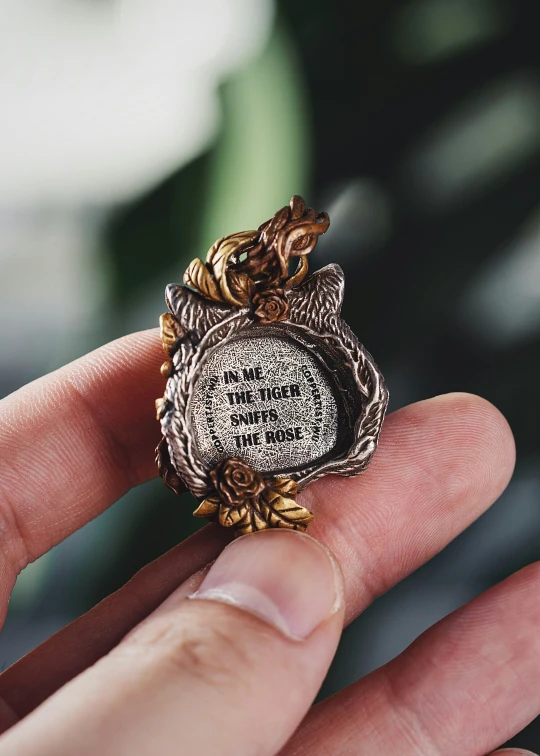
(135, 134)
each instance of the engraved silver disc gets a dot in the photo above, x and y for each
(266, 399)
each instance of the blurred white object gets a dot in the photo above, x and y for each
(51, 288)
(99, 100)
(503, 304)
(361, 218)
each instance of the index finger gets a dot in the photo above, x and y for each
(72, 443)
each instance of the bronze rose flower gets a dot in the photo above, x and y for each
(244, 500)
(235, 481)
(271, 305)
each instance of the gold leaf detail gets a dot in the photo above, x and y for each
(171, 331)
(208, 508)
(241, 286)
(198, 277)
(251, 522)
(218, 258)
(283, 512)
(285, 487)
(230, 515)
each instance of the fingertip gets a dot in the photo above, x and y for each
(469, 430)
(476, 409)
(485, 428)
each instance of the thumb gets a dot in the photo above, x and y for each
(230, 670)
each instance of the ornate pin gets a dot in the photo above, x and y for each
(268, 389)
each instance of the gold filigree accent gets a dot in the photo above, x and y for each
(243, 499)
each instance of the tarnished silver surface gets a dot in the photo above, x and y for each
(266, 399)
(315, 326)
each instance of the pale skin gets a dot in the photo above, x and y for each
(152, 671)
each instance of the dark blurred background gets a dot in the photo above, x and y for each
(133, 134)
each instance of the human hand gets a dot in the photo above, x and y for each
(150, 671)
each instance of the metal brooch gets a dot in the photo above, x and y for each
(267, 387)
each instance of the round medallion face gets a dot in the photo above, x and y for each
(266, 399)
